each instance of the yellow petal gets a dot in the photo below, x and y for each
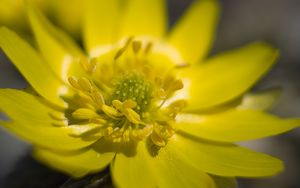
(235, 125)
(160, 170)
(100, 23)
(81, 130)
(32, 67)
(58, 49)
(32, 121)
(21, 106)
(222, 159)
(12, 15)
(70, 18)
(262, 100)
(56, 138)
(225, 182)
(144, 17)
(226, 76)
(193, 35)
(126, 169)
(75, 164)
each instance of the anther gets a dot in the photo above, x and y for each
(136, 46)
(84, 97)
(73, 82)
(111, 112)
(85, 84)
(119, 53)
(98, 121)
(157, 140)
(84, 113)
(98, 98)
(123, 49)
(132, 116)
(84, 64)
(148, 47)
(92, 65)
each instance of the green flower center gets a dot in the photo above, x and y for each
(125, 97)
(135, 87)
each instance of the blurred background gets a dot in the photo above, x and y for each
(241, 21)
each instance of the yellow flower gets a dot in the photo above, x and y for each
(146, 102)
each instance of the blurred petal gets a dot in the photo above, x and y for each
(60, 52)
(193, 35)
(144, 17)
(100, 23)
(225, 182)
(226, 76)
(158, 171)
(12, 14)
(70, 18)
(75, 164)
(21, 106)
(235, 125)
(32, 67)
(261, 100)
(222, 159)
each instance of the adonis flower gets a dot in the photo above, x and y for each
(145, 102)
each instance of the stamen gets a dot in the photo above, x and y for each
(119, 53)
(98, 121)
(84, 97)
(74, 83)
(98, 98)
(84, 64)
(157, 140)
(123, 49)
(85, 84)
(148, 47)
(92, 66)
(84, 113)
(125, 100)
(111, 112)
(136, 46)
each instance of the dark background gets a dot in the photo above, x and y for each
(242, 21)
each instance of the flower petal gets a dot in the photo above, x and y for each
(126, 169)
(57, 138)
(58, 49)
(144, 17)
(45, 134)
(100, 23)
(228, 75)
(70, 18)
(75, 164)
(158, 171)
(225, 182)
(222, 159)
(194, 33)
(262, 100)
(21, 106)
(235, 125)
(32, 67)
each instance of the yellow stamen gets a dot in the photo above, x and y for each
(84, 113)
(85, 84)
(136, 46)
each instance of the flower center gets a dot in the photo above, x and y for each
(135, 87)
(123, 97)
